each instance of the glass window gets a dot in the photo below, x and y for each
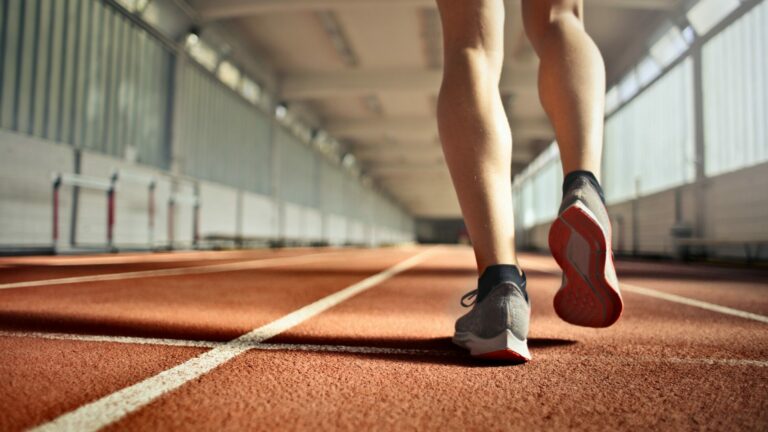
(612, 100)
(649, 143)
(629, 86)
(88, 77)
(706, 14)
(735, 75)
(250, 90)
(536, 191)
(669, 47)
(229, 74)
(200, 51)
(137, 6)
(647, 71)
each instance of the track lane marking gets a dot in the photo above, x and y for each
(693, 302)
(113, 407)
(185, 343)
(355, 349)
(674, 298)
(130, 340)
(55, 261)
(176, 271)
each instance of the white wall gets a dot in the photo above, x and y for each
(259, 216)
(293, 221)
(183, 214)
(27, 166)
(356, 232)
(737, 204)
(336, 229)
(736, 209)
(313, 224)
(218, 210)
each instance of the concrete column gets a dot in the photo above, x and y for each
(700, 181)
(275, 157)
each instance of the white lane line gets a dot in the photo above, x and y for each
(630, 359)
(178, 271)
(111, 259)
(132, 340)
(713, 361)
(693, 302)
(351, 349)
(648, 292)
(113, 407)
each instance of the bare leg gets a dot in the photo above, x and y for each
(571, 79)
(474, 130)
(572, 91)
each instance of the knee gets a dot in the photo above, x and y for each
(473, 34)
(545, 19)
(473, 60)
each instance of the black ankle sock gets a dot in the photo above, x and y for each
(496, 274)
(572, 176)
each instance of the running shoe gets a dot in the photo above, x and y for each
(497, 326)
(580, 241)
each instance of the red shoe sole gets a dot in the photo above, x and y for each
(587, 298)
(503, 355)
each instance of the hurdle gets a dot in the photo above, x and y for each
(194, 201)
(148, 181)
(86, 182)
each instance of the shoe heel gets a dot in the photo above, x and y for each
(505, 346)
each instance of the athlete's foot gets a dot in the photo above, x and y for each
(580, 241)
(497, 326)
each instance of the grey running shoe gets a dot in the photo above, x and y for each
(580, 241)
(497, 326)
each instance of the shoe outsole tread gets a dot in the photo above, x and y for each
(587, 298)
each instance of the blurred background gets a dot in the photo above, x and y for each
(177, 124)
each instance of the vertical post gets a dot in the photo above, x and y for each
(151, 213)
(55, 232)
(275, 180)
(75, 202)
(171, 211)
(348, 206)
(700, 183)
(196, 226)
(196, 219)
(635, 217)
(175, 132)
(111, 212)
(321, 199)
(239, 240)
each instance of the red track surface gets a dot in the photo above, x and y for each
(383, 358)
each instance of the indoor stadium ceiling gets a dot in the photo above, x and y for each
(369, 70)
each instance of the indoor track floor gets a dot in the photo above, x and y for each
(359, 339)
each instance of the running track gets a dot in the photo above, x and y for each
(352, 339)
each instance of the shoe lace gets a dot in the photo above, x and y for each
(470, 298)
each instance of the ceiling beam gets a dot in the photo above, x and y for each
(432, 142)
(224, 9)
(661, 5)
(382, 126)
(424, 127)
(412, 170)
(362, 82)
(375, 156)
(394, 151)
